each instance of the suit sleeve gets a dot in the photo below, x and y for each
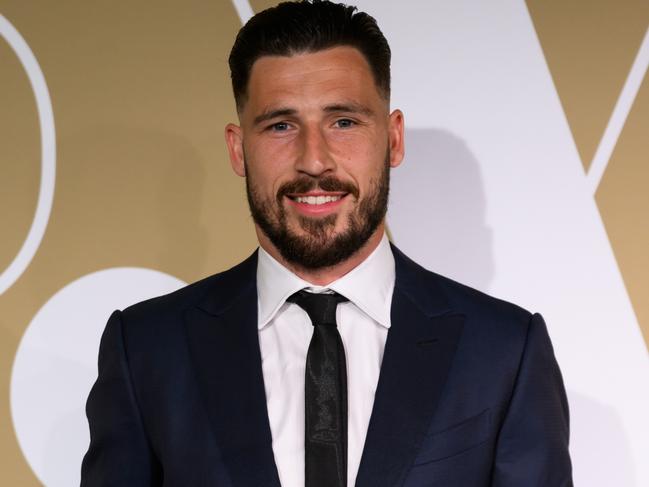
(532, 447)
(119, 452)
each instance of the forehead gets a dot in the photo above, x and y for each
(329, 75)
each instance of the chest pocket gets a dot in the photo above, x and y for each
(456, 439)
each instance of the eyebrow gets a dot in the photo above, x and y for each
(270, 114)
(349, 108)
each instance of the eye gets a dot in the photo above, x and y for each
(279, 127)
(345, 123)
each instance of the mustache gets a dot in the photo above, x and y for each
(306, 184)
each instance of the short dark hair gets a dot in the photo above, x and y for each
(308, 26)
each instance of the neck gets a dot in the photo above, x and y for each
(325, 275)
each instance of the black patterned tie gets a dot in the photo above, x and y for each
(325, 449)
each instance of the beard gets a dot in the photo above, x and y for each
(317, 245)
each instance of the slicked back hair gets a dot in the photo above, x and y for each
(301, 27)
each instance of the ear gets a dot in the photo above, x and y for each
(395, 138)
(234, 141)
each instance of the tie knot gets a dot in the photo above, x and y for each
(321, 307)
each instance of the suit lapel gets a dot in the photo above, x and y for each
(224, 346)
(418, 355)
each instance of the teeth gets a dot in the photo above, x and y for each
(317, 200)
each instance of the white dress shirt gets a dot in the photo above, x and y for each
(284, 335)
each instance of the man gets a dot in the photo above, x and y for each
(327, 358)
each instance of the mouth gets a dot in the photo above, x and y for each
(316, 203)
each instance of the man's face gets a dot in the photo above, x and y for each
(316, 143)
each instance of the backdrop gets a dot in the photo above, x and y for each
(526, 176)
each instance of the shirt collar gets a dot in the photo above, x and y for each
(369, 285)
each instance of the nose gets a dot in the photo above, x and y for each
(315, 156)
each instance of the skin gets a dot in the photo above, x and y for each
(315, 114)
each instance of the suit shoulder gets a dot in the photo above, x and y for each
(462, 298)
(496, 323)
(223, 285)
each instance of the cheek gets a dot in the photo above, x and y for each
(269, 158)
(262, 181)
(267, 181)
(364, 167)
(273, 149)
(360, 147)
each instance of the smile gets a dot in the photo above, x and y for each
(316, 204)
(316, 200)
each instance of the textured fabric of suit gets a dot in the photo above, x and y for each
(469, 392)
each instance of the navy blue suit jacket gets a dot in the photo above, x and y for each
(469, 393)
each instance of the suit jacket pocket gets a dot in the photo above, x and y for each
(456, 439)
